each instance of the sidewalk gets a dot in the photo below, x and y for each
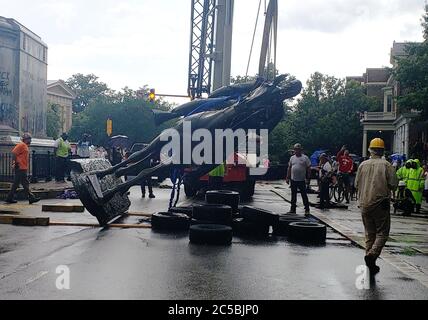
(407, 248)
(44, 190)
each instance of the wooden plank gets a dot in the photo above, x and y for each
(139, 214)
(6, 219)
(130, 226)
(24, 221)
(95, 225)
(63, 207)
(74, 224)
(42, 221)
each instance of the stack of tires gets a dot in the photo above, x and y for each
(211, 224)
(226, 197)
(300, 229)
(255, 222)
(215, 222)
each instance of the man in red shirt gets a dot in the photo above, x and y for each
(345, 169)
(20, 156)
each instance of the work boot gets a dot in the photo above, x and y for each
(33, 200)
(152, 196)
(11, 201)
(292, 211)
(143, 195)
(371, 264)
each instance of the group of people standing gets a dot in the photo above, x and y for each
(376, 180)
(413, 184)
(299, 174)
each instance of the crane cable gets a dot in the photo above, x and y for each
(254, 35)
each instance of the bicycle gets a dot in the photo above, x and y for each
(340, 191)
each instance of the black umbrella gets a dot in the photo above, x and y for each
(122, 142)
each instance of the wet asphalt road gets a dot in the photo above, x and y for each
(142, 264)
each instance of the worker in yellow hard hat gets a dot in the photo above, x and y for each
(375, 180)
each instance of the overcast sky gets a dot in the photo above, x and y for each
(137, 42)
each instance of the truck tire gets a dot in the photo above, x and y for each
(247, 228)
(226, 197)
(189, 190)
(194, 222)
(218, 213)
(169, 221)
(310, 232)
(257, 215)
(210, 234)
(281, 227)
(184, 210)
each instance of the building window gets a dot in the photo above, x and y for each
(389, 103)
(24, 42)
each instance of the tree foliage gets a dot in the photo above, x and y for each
(412, 74)
(130, 112)
(326, 116)
(53, 120)
(87, 89)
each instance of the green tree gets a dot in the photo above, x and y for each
(53, 120)
(326, 116)
(412, 74)
(130, 112)
(87, 89)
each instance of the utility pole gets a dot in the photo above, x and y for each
(223, 43)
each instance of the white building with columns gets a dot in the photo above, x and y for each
(388, 124)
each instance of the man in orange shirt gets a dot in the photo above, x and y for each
(20, 156)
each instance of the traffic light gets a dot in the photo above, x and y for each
(152, 95)
(109, 127)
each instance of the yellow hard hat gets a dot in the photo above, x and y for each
(377, 143)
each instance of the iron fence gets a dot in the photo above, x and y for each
(41, 167)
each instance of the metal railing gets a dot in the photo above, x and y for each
(379, 116)
(41, 167)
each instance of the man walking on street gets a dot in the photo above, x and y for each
(375, 180)
(62, 151)
(20, 156)
(299, 169)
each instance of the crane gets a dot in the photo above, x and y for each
(211, 44)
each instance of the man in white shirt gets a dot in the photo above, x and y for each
(299, 170)
(83, 147)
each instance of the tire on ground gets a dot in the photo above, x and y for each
(257, 215)
(281, 227)
(170, 221)
(183, 210)
(194, 222)
(189, 190)
(219, 213)
(246, 228)
(309, 232)
(210, 234)
(226, 197)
